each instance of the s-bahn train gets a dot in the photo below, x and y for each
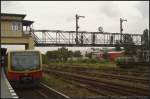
(23, 67)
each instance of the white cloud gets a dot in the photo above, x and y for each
(61, 14)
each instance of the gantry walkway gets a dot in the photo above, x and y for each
(46, 38)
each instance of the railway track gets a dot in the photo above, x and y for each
(112, 76)
(103, 85)
(41, 91)
(90, 88)
(111, 71)
(121, 77)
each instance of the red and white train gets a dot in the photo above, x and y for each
(23, 67)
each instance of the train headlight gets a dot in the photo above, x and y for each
(26, 73)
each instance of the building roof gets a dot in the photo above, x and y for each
(110, 52)
(115, 52)
(27, 22)
(10, 14)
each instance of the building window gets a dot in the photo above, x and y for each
(16, 26)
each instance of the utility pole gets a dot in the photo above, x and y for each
(149, 46)
(121, 28)
(77, 27)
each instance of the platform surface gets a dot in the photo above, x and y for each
(6, 89)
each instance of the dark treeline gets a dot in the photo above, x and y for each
(62, 54)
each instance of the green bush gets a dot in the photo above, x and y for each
(84, 60)
(126, 62)
(44, 59)
(104, 61)
(94, 61)
(70, 61)
(80, 60)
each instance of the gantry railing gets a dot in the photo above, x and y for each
(85, 39)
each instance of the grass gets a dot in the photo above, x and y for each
(83, 62)
(93, 65)
(62, 85)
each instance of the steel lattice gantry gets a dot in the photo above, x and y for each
(85, 39)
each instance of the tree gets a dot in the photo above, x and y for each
(44, 59)
(146, 44)
(70, 54)
(105, 55)
(77, 54)
(117, 47)
(127, 39)
(63, 54)
(52, 55)
(93, 49)
(145, 39)
(89, 55)
(128, 45)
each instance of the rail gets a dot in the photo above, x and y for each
(41, 91)
(111, 86)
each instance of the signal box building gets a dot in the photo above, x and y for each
(16, 31)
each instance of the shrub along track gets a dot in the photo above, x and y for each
(103, 86)
(41, 91)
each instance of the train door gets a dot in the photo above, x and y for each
(2, 58)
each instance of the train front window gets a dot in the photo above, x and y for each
(25, 61)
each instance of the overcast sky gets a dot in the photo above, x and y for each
(60, 15)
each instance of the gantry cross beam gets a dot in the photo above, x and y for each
(46, 38)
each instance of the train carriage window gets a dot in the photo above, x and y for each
(25, 61)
